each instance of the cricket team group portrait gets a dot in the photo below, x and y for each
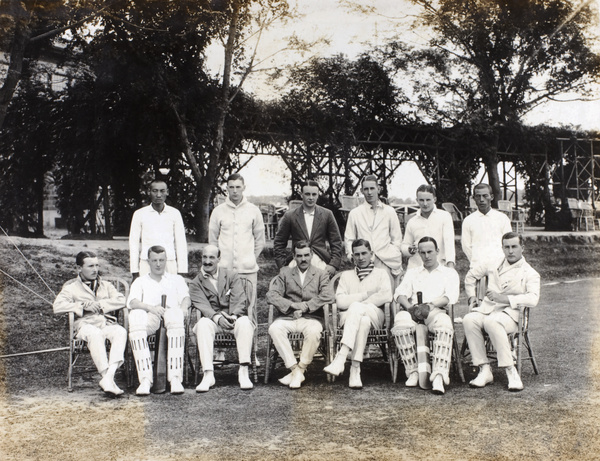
(299, 230)
(377, 293)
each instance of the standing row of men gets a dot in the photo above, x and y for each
(225, 289)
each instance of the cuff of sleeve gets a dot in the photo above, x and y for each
(216, 318)
(512, 302)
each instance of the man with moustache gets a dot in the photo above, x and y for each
(157, 224)
(314, 224)
(429, 221)
(299, 294)
(92, 300)
(440, 286)
(220, 296)
(145, 315)
(378, 224)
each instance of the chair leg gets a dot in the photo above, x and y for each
(70, 371)
(255, 358)
(531, 356)
(268, 359)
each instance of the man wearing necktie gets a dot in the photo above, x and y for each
(299, 294)
(219, 294)
(92, 299)
(314, 224)
(512, 283)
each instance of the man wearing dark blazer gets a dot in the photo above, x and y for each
(220, 296)
(314, 224)
(299, 294)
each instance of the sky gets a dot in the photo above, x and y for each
(350, 32)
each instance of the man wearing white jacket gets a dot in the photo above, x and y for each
(237, 228)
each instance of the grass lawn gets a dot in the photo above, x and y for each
(555, 417)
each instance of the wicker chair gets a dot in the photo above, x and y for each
(78, 347)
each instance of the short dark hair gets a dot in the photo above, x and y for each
(426, 188)
(481, 185)
(369, 177)
(428, 239)
(299, 245)
(512, 235)
(311, 183)
(83, 255)
(157, 180)
(361, 242)
(156, 249)
(236, 177)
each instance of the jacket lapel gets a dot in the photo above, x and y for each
(299, 215)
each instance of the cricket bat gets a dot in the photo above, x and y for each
(423, 353)
(160, 355)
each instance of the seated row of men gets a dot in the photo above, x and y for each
(299, 294)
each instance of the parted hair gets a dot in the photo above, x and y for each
(360, 242)
(512, 235)
(156, 249)
(426, 188)
(83, 255)
(299, 245)
(428, 239)
(236, 177)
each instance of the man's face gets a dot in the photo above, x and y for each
(303, 256)
(426, 201)
(235, 189)
(362, 256)
(428, 254)
(158, 263)
(483, 199)
(158, 193)
(89, 269)
(310, 194)
(210, 259)
(370, 190)
(513, 250)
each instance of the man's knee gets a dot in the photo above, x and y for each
(138, 320)
(173, 318)
(403, 321)
(203, 325)
(313, 330)
(90, 333)
(470, 322)
(276, 329)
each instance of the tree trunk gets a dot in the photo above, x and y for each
(39, 192)
(203, 215)
(490, 160)
(17, 52)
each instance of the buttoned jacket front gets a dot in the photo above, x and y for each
(324, 230)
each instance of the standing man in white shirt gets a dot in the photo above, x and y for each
(237, 228)
(483, 229)
(429, 221)
(377, 223)
(157, 224)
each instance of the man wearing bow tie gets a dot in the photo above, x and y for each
(314, 224)
(299, 294)
(92, 299)
(219, 294)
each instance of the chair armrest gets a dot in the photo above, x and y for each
(71, 325)
(388, 316)
(271, 315)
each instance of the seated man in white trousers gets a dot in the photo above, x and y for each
(144, 319)
(220, 296)
(92, 300)
(512, 283)
(299, 294)
(360, 296)
(439, 286)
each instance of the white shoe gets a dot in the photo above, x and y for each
(297, 378)
(144, 387)
(413, 380)
(287, 379)
(354, 382)
(437, 386)
(176, 386)
(109, 386)
(336, 367)
(484, 377)
(244, 379)
(207, 382)
(514, 380)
